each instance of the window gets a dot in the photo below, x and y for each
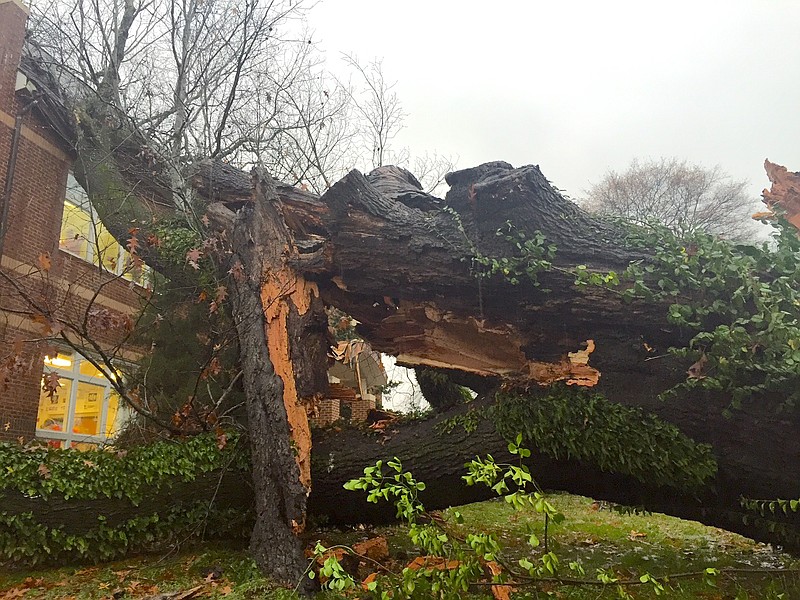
(85, 411)
(84, 236)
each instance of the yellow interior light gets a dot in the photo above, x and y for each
(58, 362)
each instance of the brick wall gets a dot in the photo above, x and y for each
(329, 409)
(33, 227)
(360, 408)
(327, 412)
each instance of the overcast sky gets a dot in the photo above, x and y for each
(582, 87)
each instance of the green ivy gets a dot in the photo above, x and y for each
(775, 506)
(134, 475)
(468, 421)
(24, 540)
(581, 425)
(175, 239)
(130, 475)
(742, 302)
(534, 255)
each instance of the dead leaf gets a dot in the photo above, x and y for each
(176, 595)
(237, 271)
(213, 368)
(44, 261)
(107, 320)
(44, 471)
(50, 327)
(697, 370)
(133, 242)
(633, 535)
(222, 438)
(50, 384)
(376, 548)
(367, 580)
(433, 562)
(30, 582)
(499, 592)
(212, 574)
(339, 553)
(193, 258)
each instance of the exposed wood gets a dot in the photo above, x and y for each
(784, 195)
(281, 292)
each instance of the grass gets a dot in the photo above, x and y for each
(628, 545)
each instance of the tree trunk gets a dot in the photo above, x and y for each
(437, 457)
(264, 296)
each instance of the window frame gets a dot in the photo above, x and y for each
(73, 374)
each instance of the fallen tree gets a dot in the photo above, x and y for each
(403, 263)
(429, 280)
(503, 279)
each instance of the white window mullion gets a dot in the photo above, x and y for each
(69, 421)
(103, 412)
(120, 260)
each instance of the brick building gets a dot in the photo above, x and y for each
(58, 264)
(59, 267)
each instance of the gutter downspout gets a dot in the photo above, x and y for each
(10, 170)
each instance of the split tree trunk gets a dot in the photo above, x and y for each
(270, 305)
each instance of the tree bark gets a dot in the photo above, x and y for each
(263, 297)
